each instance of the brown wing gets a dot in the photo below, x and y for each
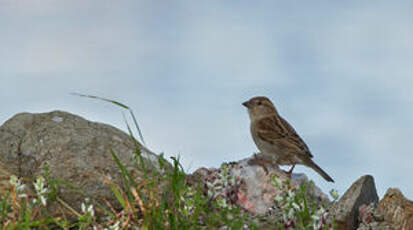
(271, 129)
(293, 136)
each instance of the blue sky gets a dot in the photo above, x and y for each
(340, 72)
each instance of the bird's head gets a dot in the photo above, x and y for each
(259, 107)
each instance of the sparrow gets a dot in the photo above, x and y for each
(276, 138)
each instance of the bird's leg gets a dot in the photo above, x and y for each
(262, 164)
(258, 161)
(290, 172)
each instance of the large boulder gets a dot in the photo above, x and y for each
(76, 150)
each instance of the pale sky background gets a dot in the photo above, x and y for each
(339, 71)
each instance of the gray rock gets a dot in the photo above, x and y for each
(346, 210)
(313, 192)
(76, 150)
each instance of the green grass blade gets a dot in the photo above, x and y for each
(137, 152)
(102, 99)
(118, 104)
(124, 172)
(127, 178)
(118, 195)
(137, 126)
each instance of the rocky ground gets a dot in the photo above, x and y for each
(73, 148)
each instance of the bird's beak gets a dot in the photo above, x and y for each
(246, 104)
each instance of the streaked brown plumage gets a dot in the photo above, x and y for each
(276, 138)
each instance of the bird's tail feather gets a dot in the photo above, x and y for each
(320, 171)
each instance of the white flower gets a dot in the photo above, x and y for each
(43, 200)
(91, 210)
(321, 211)
(279, 198)
(291, 213)
(16, 182)
(13, 180)
(334, 194)
(290, 196)
(296, 206)
(39, 185)
(277, 182)
(83, 207)
(291, 193)
(40, 188)
(86, 208)
(23, 195)
(315, 217)
(222, 203)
